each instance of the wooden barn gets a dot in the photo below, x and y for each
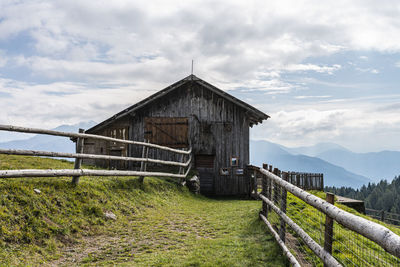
(188, 113)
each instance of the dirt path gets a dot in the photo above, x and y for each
(203, 232)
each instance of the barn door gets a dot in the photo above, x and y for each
(166, 131)
(205, 167)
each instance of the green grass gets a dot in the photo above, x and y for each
(349, 247)
(158, 223)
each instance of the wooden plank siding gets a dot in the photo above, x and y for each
(215, 126)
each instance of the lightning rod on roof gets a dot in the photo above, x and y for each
(192, 67)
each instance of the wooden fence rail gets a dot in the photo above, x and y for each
(83, 172)
(314, 246)
(384, 216)
(88, 156)
(286, 251)
(273, 189)
(77, 171)
(12, 128)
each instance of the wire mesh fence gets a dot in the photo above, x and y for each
(348, 247)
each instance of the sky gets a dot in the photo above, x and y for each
(325, 71)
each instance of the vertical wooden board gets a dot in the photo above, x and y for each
(207, 107)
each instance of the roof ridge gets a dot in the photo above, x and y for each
(259, 115)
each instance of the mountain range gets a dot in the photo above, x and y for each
(383, 165)
(340, 166)
(49, 142)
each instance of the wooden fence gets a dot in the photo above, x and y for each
(384, 216)
(275, 186)
(77, 171)
(306, 181)
(303, 180)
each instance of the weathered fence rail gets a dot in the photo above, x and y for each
(273, 195)
(82, 172)
(89, 156)
(77, 171)
(12, 128)
(384, 216)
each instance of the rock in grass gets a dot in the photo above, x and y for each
(37, 191)
(194, 184)
(110, 215)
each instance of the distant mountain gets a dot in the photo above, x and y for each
(267, 152)
(317, 149)
(375, 165)
(49, 142)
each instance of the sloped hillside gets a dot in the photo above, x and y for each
(157, 224)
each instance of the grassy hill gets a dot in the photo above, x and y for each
(158, 223)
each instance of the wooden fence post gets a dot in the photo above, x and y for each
(181, 169)
(329, 226)
(143, 165)
(322, 181)
(265, 191)
(276, 188)
(382, 215)
(282, 229)
(78, 162)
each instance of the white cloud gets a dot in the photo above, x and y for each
(53, 104)
(97, 57)
(254, 37)
(313, 67)
(369, 70)
(312, 96)
(359, 125)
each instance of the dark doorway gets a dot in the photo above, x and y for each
(205, 167)
(116, 164)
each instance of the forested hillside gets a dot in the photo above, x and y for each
(380, 196)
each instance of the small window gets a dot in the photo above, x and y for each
(234, 161)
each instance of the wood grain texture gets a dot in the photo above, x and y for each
(215, 127)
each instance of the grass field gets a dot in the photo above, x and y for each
(158, 223)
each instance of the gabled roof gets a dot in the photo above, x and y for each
(255, 116)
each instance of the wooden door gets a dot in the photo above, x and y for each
(205, 166)
(167, 131)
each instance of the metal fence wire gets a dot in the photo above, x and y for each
(349, 248)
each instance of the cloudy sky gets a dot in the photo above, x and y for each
(323, 72)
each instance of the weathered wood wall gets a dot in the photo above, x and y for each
(216, 127)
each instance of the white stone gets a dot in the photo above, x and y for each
(110, 215)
